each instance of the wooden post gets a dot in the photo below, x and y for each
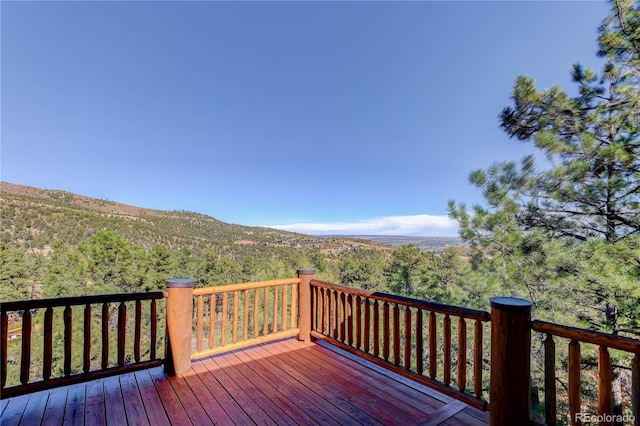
(510, 382)
(304, 303)
(179, 327)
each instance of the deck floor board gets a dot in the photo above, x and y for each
(284, 382)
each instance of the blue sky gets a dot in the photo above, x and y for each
(320, 117)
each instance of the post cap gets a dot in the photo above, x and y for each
(306, 271)
(180, 283)
(512, 304)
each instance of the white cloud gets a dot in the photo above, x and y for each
(414, 225)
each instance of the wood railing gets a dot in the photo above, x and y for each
(237, 315)
(604, 342)
(442, 346)
(75, 314)
(402, 334)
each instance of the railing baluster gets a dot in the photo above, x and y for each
(86, 355)
(419, 343)
(350, 319)
(256, 313)
(367, 325)
(223, 328)
(462, 354)
(275, 310)
(48, 344)
(154, 328)
(604, 383)
(294, 305)
(574, 381)
(336, 315)
(213, 299)
(342, 315)
(245, 317)
(385, 331)
(635, 388)
(199, 323)
(4, 337)
(433, 351)
(358, 322)
(68, 336)
(396, 334)
(323, 310)
(265, 312)
(477, 359)
(236, 315)
(25, 360)
(447, 350)
(105, 336)
(550, 416)
(122, 332)
(376, 328)
(407, 338)
(285, 302)
(137, 332)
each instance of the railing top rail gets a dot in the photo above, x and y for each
(588, 336)
(406, 301)
(23, 305)
(244, 286)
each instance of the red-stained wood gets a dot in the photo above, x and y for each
(151, 400)
(206, 398)
(605, 405)
(56, 404)
(137, 331)
(68, 338)
(376, 328)
(367, 324)
(350, 320)
(4, 331)
(236, 316)
(336, 315)
(342, 315)
(433, 349)
(35, 409)
(170, 399)
(396, 334)
(462, 354)
(358, 302)
(477, 358)
(114, 404)
(154, 328)
(200, 323)
(407, 338)
(550, 412)
(94, 408)
(25, 359)
(74, 411)
(386, 337)
(419, 343)
(105, 336)
(133, 407)
(574, 382)
(86, 352)
(122, 332)
(48, 344)
(447, 350)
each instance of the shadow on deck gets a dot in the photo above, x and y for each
(279, 383)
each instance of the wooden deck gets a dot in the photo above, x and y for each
(280, 383)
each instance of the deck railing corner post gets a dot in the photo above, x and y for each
(510, 379)
(179, 327)
(304, 303)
